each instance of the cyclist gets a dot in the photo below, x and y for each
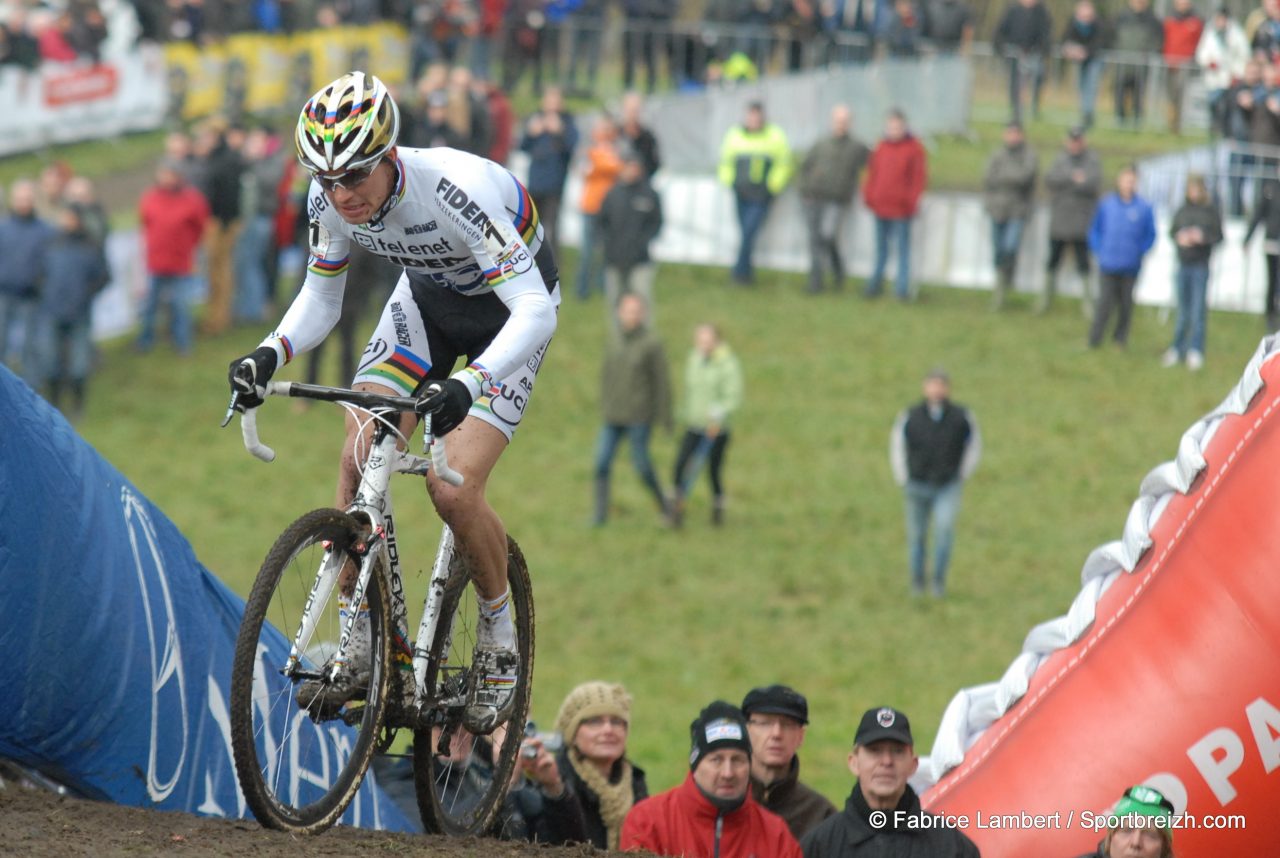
(479, 282)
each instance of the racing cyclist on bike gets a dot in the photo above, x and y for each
(478, 283)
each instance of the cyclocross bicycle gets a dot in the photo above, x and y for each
(301, 766)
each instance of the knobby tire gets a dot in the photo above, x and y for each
(276, 801)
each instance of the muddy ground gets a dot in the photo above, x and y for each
(40, 824)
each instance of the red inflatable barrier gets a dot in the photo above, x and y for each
(1176, 683)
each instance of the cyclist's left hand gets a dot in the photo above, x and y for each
(448, 403)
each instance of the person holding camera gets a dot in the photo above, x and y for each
(589, 777)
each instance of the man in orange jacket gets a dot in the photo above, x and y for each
(712, 813)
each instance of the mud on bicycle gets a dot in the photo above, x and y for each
(301, 603)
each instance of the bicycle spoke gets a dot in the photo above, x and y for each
(299, 766)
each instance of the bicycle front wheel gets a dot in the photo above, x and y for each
(463, 779)
(301, 755)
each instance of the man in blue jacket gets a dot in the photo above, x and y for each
(1123, 230)
(550, 136)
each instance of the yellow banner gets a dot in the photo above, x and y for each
(252, 73)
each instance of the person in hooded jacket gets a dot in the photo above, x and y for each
(712, 814)
(883, 817)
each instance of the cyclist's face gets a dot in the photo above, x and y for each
(357, 201)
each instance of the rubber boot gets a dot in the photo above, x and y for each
(676, 506)
(1001, 292)
(1046, 297)
(1089, 291)
(601, 512)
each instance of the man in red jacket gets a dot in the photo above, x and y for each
(173, 216)
(712, 813)
(1182, 31)
(895, 181)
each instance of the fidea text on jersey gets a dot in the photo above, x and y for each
(467, 211)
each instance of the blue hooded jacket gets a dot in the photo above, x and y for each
(1121, 234)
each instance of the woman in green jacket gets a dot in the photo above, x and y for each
(712, 393)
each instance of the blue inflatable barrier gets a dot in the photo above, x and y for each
(116, 642)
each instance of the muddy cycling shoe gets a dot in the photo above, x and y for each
(323, 698)
(491, 689)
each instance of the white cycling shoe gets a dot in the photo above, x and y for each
(491, 689)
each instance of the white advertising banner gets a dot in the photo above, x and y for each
(66, 102)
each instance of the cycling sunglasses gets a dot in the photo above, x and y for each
(348, 180)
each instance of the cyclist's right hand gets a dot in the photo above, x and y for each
(249, 375)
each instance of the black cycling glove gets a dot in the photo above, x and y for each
(249, 376)
(448, 404)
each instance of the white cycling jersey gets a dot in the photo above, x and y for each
(455, 222)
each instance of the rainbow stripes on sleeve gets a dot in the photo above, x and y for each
(403, 370)
(526, 215)
(328, 267)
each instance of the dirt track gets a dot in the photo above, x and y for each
(39, 824)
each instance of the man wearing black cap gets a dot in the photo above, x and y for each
(712, 813)
(776, 718)
(883, 816)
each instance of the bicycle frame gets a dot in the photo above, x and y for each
(373, 502)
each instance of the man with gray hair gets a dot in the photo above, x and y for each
(828, 182)
(933, 449)
(883, 815)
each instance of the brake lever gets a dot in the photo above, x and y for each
(232, 407)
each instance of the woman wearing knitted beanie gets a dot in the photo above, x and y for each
(593, 766)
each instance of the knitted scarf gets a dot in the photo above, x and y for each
(615, 798)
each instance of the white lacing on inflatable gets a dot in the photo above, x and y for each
(973, 710)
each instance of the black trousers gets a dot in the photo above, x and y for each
(686, 469)
(1116, 294)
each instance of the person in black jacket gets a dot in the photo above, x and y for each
(637, 134)
(222, 190)
(591, 769)
(776, 719)
(630, 218)
(883, 816)
(1196, 230)
(1082, 42)
(1267, 214)
(933, 449)
(1023, 37)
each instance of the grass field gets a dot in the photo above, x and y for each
(806, 584)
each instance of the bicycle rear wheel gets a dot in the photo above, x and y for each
(299, 769)
(462, 779)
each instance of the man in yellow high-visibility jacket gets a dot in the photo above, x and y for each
(756, 162)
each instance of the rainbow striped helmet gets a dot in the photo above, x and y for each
(349, 124)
